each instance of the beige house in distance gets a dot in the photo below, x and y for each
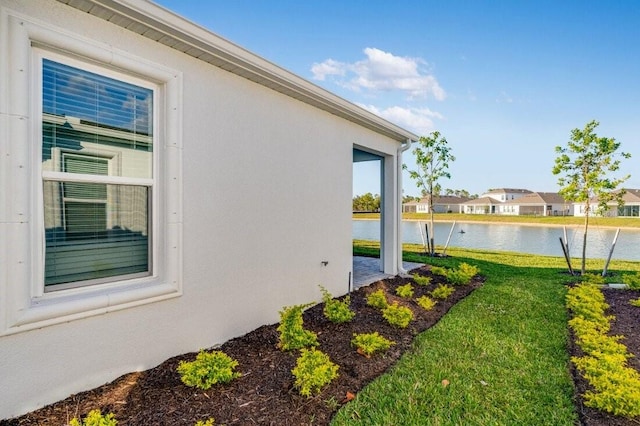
(631, 207)
(538, 204)
(490, 201)
(441, 204)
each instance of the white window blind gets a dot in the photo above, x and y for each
(97, 162)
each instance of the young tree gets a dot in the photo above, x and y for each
(585, 166)
(433, 156)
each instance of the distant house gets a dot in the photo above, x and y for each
(441, 204)
(631, 207)
(482, 205)
(490, 201)
(539, 204)
(135, 149)
(505, 194)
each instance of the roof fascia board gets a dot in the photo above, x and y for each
(162, 25)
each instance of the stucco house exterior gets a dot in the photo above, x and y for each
(491, 201)
(153, 180)
(631, 207)
(539, 204)
(481, 205)
(441, 204)
(505, 194)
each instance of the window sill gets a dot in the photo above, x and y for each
(73, 305)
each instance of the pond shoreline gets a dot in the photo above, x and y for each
(522, 237)
(498, 222)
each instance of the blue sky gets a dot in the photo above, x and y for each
(503, 81)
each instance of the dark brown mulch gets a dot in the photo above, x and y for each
(265, 394)
(626, 324)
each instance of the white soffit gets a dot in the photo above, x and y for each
(163, 26)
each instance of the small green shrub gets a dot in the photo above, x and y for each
(95, 418)
(635, 302)
(313, 370)
(426, 302)
(442, 291)
(438, 270)
(587, 301)
(462, 275)
(377, 299)
(291, 328)
(334, 310)
(616, 386)
(208, 422)
(396, 315)
(208, 369)
(405, 290)
(632, 280)
(421, 279)
(370, 343)
(593, 279)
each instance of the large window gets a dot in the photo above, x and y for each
(630, 211)
(91, 177)
(97, 171)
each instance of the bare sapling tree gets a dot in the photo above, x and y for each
(433, 156)
(586, 167)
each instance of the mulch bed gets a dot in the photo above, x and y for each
(265, 394)
(627, 324)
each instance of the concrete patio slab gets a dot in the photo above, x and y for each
(366, 270)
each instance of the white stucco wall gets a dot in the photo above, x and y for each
(267, 188)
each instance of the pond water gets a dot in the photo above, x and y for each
(541, 240)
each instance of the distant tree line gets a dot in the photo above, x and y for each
(366, 203)
(371, 202)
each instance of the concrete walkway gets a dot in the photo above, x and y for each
(366, 270)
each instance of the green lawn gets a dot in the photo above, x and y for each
(502, 351)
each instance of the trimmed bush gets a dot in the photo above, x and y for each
(208, 369)
(313, 371)
(95, 418)
(594, 279)
(291, 328)
(370, 343)
(462, 275)
(616, 386)
(396, 315)
(442, 292)
(426, 302)
(421, 280)
(377, 299)
(438, 270)
(405, 291)
(335, 310)
(632, 280)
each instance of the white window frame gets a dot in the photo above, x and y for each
(60, 175)
(25, 304)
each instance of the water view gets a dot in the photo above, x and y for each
(541, 240)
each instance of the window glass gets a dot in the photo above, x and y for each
(95, 128)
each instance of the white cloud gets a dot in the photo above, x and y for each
(382, 72)
(328, 67)
(418, 120)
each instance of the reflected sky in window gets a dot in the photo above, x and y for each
(72, 92)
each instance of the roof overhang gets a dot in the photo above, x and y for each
(163, 26)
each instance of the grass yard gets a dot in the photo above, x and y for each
(498, 357)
